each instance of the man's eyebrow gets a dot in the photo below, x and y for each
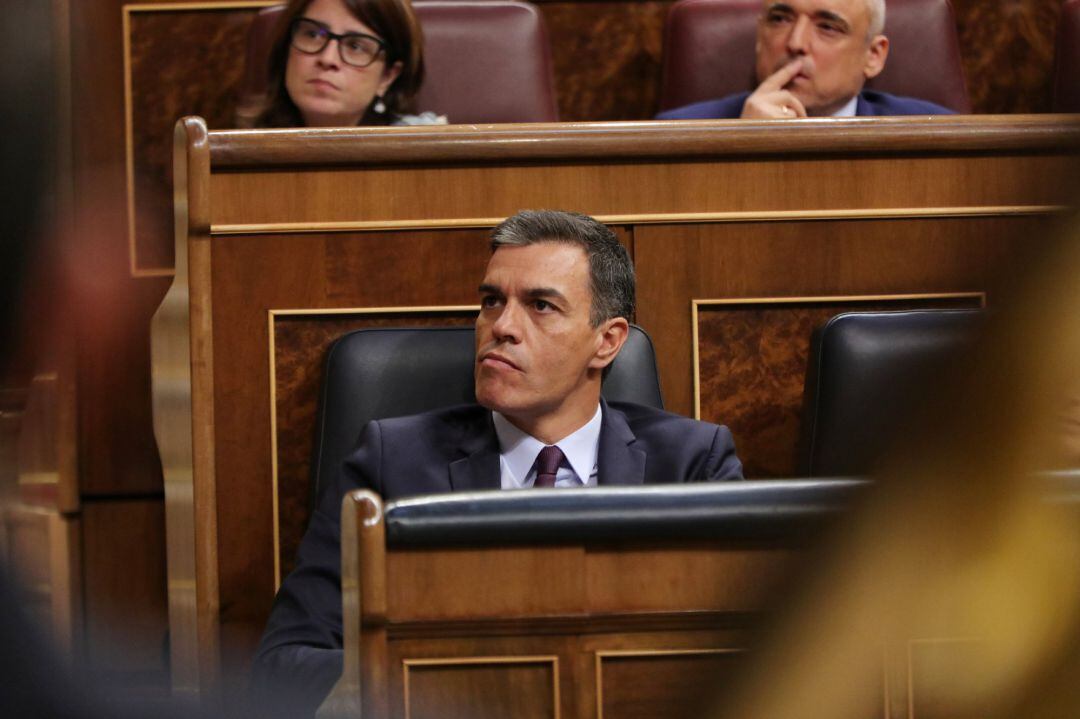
(779, 7)
(488, 290)
(832, 17)
(546, 293)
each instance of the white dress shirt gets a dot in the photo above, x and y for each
(518, 451)
(849, 109)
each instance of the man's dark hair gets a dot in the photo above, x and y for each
(611, 273)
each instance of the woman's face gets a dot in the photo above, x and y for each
(327, 91)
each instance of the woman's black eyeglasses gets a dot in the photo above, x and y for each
(355, 48)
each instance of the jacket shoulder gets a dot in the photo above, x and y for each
(725, 108)
(873, 102)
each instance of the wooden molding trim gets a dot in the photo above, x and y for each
(408, 664)
(182, 399)
(698, 139)
(896, 213)
(600, 656)
(696, 305)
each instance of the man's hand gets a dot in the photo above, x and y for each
(771, 100)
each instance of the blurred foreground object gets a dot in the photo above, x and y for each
(964, 557)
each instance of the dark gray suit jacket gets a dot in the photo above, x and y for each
(450, 450)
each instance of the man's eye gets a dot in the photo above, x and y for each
(830, 28)
(489, 301)
(543, 306)
(776, 18)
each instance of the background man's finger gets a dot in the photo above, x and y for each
(781, 77)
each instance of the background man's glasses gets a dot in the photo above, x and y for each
(355, 48)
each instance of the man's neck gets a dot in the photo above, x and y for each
(551, 427)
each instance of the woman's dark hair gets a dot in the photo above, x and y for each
(392, 20)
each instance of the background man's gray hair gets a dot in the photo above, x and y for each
(611, 273)
(876, 9)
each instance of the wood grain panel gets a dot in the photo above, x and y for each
(300, 346)
(643, 194)
(519, 570)
(482, 689)
(662, 685)
(126, 616)
(752, 367)
(1007, 49)
(677, 264)
(618, 581)
(606, 57)
(182, 61)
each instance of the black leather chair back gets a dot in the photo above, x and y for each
(866, 372)
(379, 373)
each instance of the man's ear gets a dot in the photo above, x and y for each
(613, 334)
(876, 54)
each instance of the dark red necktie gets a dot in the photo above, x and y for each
(547, 466)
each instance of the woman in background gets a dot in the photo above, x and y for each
(340, 63)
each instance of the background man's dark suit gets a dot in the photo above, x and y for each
(870, 104)
(450, 450)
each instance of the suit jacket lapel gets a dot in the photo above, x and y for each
(479, 468)
(618, 461)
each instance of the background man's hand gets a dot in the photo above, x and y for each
(771, 100)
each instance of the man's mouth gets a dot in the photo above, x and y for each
(498, 361)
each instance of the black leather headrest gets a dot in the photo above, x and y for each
(751, 511)
(866, 372)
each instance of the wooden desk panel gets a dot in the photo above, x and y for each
(282, 235)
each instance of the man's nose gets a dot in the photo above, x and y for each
(507, 326)
(799, 38)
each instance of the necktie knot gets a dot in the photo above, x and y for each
(547, 466)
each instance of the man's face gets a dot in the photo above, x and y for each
(832, 39)
(536, 349)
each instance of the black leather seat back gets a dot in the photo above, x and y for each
(379, 373)
(867, 371)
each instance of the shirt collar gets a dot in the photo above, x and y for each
(519, 449)
(849, 109)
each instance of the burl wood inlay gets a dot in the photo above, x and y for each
(300, 346)
(1007, 49)
(183, 62)
(752, 368)
(607, 58)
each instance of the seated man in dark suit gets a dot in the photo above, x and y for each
(555, 307)
(813, 57)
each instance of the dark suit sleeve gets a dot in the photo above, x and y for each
(722, 463)
(300, 655)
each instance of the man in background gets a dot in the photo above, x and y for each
(813, 58)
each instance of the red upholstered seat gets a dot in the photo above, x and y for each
(485, 60)
(1067, 59)
(709, 52)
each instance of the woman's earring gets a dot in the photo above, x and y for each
(380, 106)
